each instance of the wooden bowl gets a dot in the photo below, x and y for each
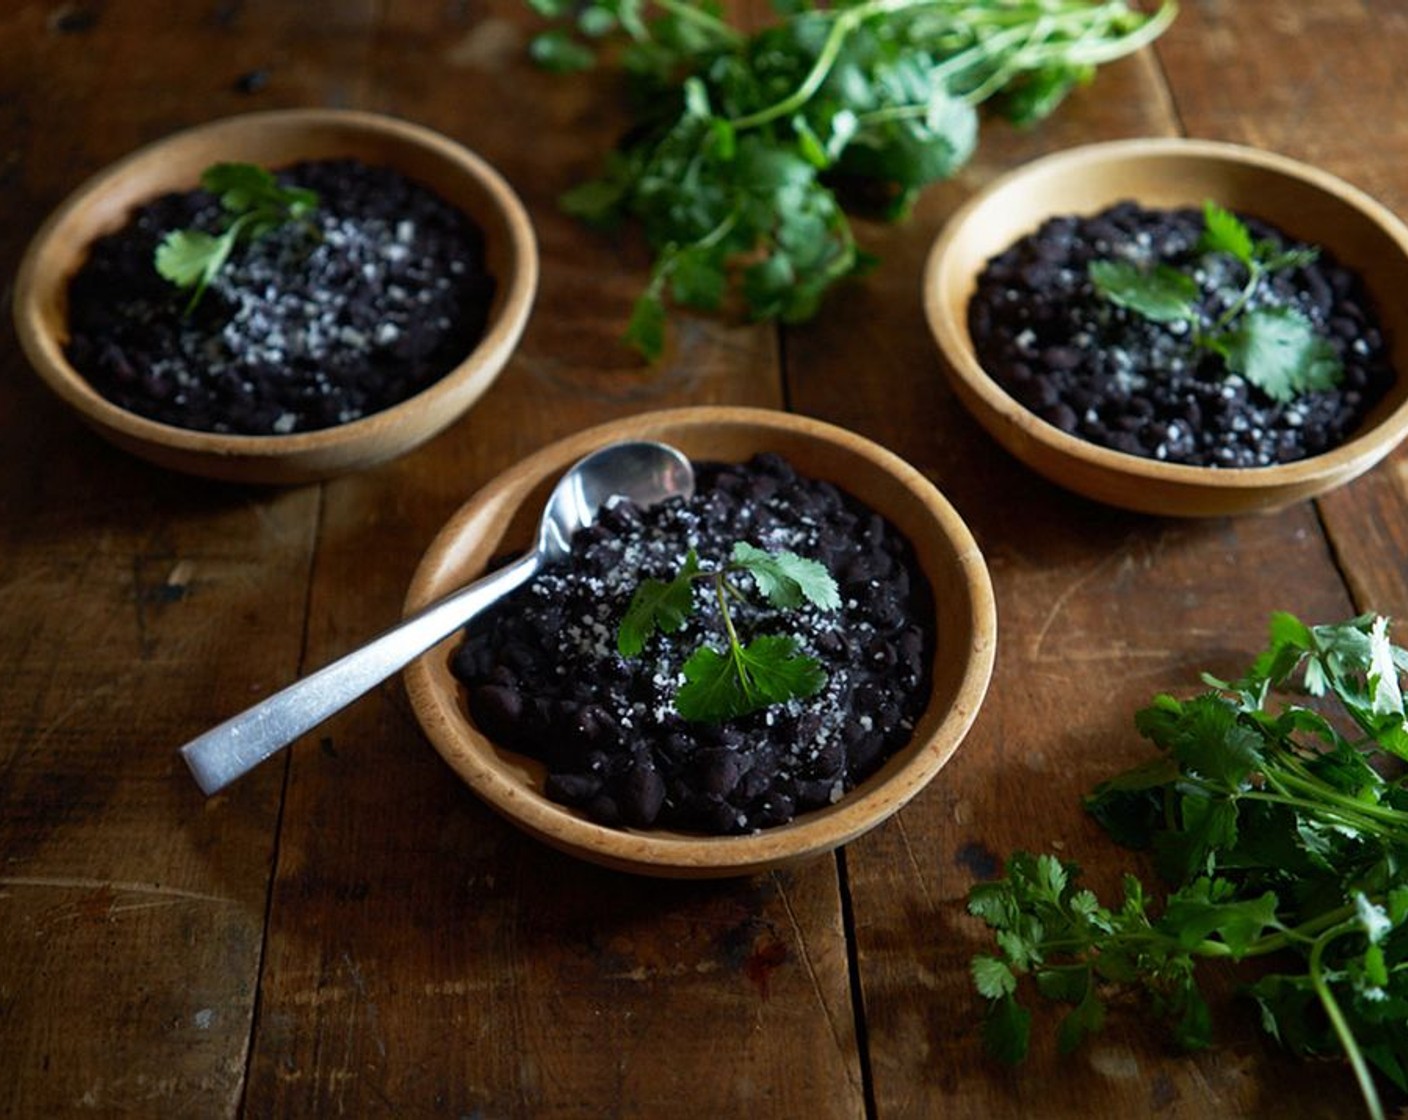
(274, 139)
(502, 517)
(1304, 202)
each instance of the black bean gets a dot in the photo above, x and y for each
(604, 725)
(814, 794)
(865, 751)
(118, 300)
(717, 771)
(1061, 357)
(498, 710)
(1033, 299)
(595, 726)
(573, 789)
(642, 793)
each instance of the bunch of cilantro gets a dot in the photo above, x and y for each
(742, 142)
(1282, 833)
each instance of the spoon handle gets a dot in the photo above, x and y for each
(236, 746)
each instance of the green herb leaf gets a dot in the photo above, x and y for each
(255, 205)
(746, 142)
(557, 51)
(713, 691)
(1162, 294)
(190, 258)
(1007, 1030)
(1280, 839)
(1274, 259)
(1275, 347)
(786, 579)
(992, 977)
(1224, 232)
(657, 605)
(767, 670)
(773, 671)
(646, 329)
(1087, 1019)
(1278, 351)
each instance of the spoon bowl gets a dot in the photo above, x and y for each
(639, 471)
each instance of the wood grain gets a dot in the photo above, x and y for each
(347, 930)
(449, 964)
(1097, 610)
(1319, 87)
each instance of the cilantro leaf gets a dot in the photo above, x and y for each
(657, 605)
(1162, 294)
(557, 51)
(748, 141)
(1224, 232)
(1279, 838)
(1274, 259)
(747, 676)
(190, 258)
(646, 329)
(766, 671)
(1278, 351)
(787, 579)
(255, 205)
(713, 690)
(1209, 739)
(1274, 346)
(1086, 1019)
(1385, 695)
(992, 977)
(773, 671)
(1210, 906)
(1007, 1030)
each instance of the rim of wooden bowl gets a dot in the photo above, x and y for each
(276, 138)
(503, 514)
(1303, 200)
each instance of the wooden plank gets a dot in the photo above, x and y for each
(421, 955)
(1097, 610)
(1321, 85)
(135, 605)
(424, 956)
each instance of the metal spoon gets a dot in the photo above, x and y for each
(646, 473)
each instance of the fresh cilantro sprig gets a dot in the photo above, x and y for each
(745, 676)
(1282, 837)
(1275, 347)
(740, 142)
(254, 203)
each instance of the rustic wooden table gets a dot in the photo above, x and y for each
(348, 931)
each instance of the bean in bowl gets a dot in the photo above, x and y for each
(378, 291)
(544, 674)
(1137, 329)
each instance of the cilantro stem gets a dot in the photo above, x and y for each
(845, 23)
(1092, 44)
(1341, 1028)
(670, 255)
(1322, 801)
(700, 18)
(735, 647)
(1254, 275)
(1385, 822)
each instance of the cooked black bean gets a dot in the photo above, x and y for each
(1109, 376)
(308, 327)
(543, 676)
